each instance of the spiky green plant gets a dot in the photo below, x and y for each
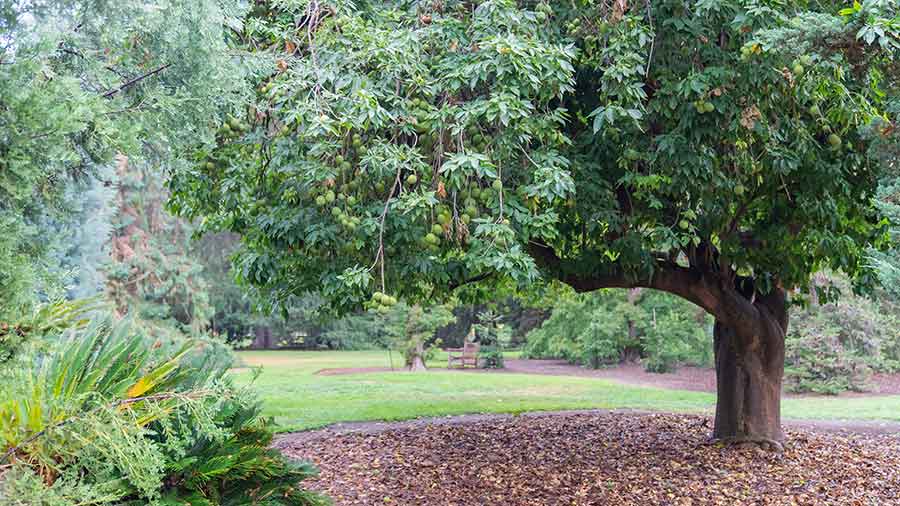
(104, 364)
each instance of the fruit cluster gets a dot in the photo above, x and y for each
(381, 302)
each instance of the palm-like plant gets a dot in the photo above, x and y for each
(106, 364)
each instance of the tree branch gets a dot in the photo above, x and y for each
(135, 80)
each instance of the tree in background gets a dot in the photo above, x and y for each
(152, 275)
(614, 326)
(492, 336)
(79, 83)
(718, 151)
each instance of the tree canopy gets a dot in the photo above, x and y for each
(414, 147)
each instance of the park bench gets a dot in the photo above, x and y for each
(468, 354)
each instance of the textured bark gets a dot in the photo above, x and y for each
(748, 377)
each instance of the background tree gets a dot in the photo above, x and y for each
(79, 83)
(717, 150)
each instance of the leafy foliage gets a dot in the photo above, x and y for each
(836, 346)
(438, 143)
(614, 326)
(493, 336)
(111, 417)
(81, 82)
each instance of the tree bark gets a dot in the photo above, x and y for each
(418, 364)
(748, 377)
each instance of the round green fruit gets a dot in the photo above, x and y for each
(684, 224)
(412, 179)
(739, 190)
(815, 111)
(497, 185)
(798, 69)
(338, 160)
(834, 140)
(431, 238)
(351, 200)
(329, 196)
(437, 229)
(336, 211)
(320, 201)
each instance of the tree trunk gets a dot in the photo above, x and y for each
(748, 379)
(418, 364)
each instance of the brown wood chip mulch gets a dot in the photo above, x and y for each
(614, 459)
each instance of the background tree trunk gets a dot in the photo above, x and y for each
(418, 364)
(748, 380)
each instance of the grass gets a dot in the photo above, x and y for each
(299, 399)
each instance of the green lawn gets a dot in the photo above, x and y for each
(299, 399)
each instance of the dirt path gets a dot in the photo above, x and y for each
(696, 379)
(862, 427)
(591, 458)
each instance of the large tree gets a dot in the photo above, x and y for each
(714, 149)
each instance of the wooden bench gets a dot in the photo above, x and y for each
(467, 355)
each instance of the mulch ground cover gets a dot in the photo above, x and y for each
(593, 459)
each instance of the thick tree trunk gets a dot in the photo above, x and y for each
(748, 378)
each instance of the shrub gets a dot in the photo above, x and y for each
(615, 326)
(493, 336)
(107, 416)
(836, 346)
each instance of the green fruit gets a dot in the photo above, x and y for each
(431, 238)
(437, 229)
(684, 224)
(384, 309)
(739, 190)
(346, 166)
(336, 211)
(541, 16)
(412, 179)
(815, 111)
(235, 123)
(443, 219)
(320, 201)
(465, 218)
(390, 300)
(351, 200)
(338, 160)
(708, 107)
(379, 186)
(798, 69)
(806, 59)
(471, 211)
(329, 196)
(210, 166)
(377, 296)
(497, 185)
(834, 140)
